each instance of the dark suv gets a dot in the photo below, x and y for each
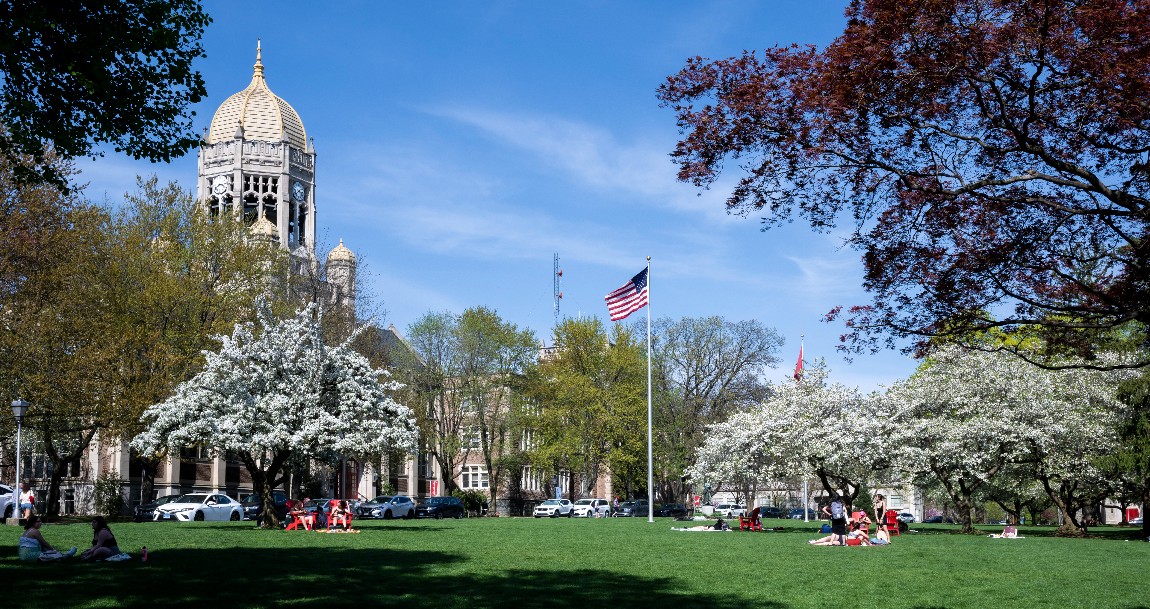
(254, 506)
(439, 507)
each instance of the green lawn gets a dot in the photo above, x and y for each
(582, 564)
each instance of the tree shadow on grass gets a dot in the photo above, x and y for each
(250, 577)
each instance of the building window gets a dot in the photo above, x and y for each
(531, 479)
(469, 437)
(527, 440)
(473, 476)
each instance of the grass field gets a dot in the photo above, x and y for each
(575, 563)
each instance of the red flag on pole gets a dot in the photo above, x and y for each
(799, 365)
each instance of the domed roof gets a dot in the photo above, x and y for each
(341, 253)
(262, 115)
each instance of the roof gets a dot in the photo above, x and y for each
(257, 114)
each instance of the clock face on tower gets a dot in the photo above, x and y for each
(220, 185)
(298, 193)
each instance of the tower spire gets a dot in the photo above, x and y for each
(259, 67)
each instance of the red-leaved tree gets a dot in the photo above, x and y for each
(991, 156)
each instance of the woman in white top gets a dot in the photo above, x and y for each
(27, 498)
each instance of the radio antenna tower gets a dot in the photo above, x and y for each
(558, 295)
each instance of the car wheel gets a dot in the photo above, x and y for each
(571, 513)
(458, 515)
(387, 515)
(235, 516)
(199, 517)
(410, 515)
(8, 512)
(438, 515)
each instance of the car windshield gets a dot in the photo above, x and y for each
(437, 501)
(191, 499)
(380, 499)
(552, 502)
(585, 502)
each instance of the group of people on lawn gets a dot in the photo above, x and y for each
(336, 515)
(33, 546)
(858, 523)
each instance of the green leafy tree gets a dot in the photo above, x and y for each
(704, 370)
(466, 370)
(590, 397)
(76, 74)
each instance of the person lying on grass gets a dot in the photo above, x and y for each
(720, 525)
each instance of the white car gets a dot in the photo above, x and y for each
(554, 508)
(201, 506)
(6, 505)
(399, 506)
(730, 510)
(906, 517)
(586, 508)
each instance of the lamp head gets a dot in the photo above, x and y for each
(19, 407)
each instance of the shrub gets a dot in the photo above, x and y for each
(108, 494)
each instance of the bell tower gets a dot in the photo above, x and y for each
(257, 162)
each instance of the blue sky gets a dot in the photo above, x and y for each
(462, 144)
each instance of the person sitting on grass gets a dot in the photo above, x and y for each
(857, 537)
(34, 547)
(1007, 533)
(103, 541)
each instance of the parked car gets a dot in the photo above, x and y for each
(399, 506)
(672, 510)
(905, 517)
(1137, 520)
(797, 514)
(637, 507)
(938, 519)
(586, 508)
(729, 510)
(147, 511)
(773, 512)
(254, 506)
(440, 507)
(200, 506)
(363, 510)
(6, 505)
(554, 508)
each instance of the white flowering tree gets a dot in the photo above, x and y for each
(966, 416)
(279, 392)
(829, 430)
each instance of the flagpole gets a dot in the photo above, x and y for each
(806, 488)
(650, 453)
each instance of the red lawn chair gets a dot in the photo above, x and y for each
(890, 519)
(752, 522)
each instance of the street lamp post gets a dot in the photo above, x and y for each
(19, 407)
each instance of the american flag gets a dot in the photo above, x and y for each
(629, 298)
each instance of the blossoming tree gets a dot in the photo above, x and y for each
(280, 392)
(965, 416)
(829, 430)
